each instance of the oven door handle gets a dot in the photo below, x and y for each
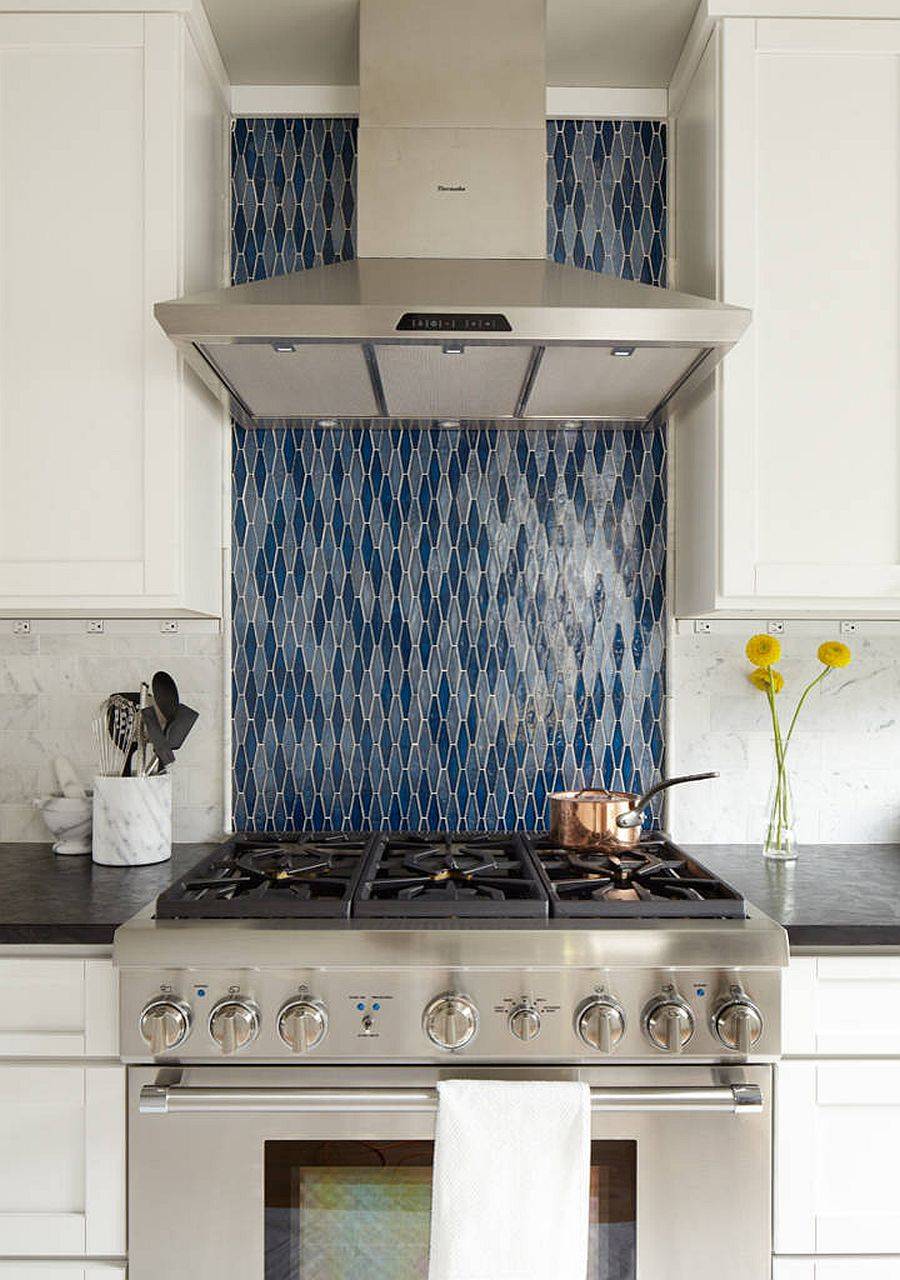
(155, 1100)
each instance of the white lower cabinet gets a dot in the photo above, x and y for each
(837, 1134)
(62, 1119)
(62, 1178)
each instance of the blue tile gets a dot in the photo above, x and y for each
(435, 627)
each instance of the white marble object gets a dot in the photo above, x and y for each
(132, 820)
(69, 822)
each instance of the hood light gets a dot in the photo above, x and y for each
(449, 422)
(283, 348)
(453, 348)
(326, 422)
(622, 351)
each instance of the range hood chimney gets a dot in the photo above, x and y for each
(452, 311)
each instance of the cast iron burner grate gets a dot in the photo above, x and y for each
(651, 880)
(406, 877)
(305, 876)
(450, 875)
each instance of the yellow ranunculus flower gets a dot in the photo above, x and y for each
(834, 654)
(763, 650)
(763, 677)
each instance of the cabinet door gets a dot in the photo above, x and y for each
(837, 1133)
(62, 1185)
(97, 431)
(798, 434)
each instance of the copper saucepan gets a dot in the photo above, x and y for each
(591, 819)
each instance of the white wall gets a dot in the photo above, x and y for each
(845, 756)
(51, 684)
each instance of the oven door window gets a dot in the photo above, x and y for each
(345, 1210)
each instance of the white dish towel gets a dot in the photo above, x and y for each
(511, 1181)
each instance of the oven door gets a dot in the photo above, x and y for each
(325, 1174)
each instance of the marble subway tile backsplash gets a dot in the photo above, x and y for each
(51, 685)
(845, 756)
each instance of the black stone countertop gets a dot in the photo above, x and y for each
(49, 899)
(832, 896)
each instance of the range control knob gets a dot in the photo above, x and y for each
(668, 1021)
(302, 1024)
(524, 1022)
(234, 1023)
(450, 1021)
(600, 1023)
(737, 1022)
(165, 1024)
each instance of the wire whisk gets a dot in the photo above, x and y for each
(115, 735)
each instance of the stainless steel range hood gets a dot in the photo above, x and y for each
(452, 311)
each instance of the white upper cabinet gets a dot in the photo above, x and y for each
(786, 199)
(113, 180)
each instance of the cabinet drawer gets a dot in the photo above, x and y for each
(19, 1270)
(58, 1008)
(832, 1269)
(843, 1006)
(837, 1133)
(64, 1192)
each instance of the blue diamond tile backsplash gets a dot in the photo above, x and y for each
(434, 628)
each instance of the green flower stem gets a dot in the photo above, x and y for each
(800, 701)
(779, 815)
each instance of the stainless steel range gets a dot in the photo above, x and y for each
(289, 1006)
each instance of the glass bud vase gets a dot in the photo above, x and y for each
(780, 833)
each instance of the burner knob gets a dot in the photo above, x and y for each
(165, 1024)
(737, 1022)
(450, 1021)
(525, 1022)
(668, 1021)
(302, 1024)
(600, 1023)
(234, 1023)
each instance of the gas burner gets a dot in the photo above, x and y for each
(652, 879)
(449, 876)
(271, 876)
(281, 862)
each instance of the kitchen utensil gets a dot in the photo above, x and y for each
(69, 785)
(68, 820)
(134, 697)
(590, 819)
(165, 695)
(157, 739)
(143, 704)
(179, 728)
(114, 731)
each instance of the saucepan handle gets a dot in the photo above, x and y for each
(633, 817)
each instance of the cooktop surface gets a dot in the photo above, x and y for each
(410, 877)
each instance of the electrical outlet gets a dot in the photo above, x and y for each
(95, 627)
(169, 626)
(848, 628)
(702, 627)
(22, 627)
(775, 628)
